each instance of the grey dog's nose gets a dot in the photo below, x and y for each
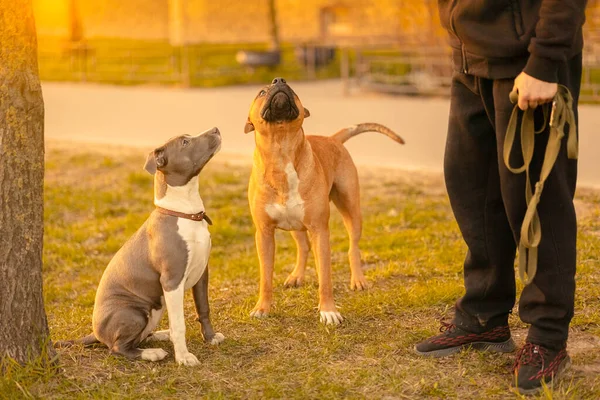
(278, 81)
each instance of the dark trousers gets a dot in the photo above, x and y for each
(489, 204)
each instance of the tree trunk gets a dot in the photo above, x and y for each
(75, 25)
(23, 324)
(273, 26)
(176, 23)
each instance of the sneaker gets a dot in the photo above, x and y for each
(453, 339)
(536, 364)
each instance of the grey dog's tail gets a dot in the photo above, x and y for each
(86, 341)
(347, 133)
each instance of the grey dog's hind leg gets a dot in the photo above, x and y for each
(122, 333)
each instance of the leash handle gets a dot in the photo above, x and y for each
(562, 114)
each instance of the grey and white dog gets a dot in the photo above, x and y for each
(168, 254)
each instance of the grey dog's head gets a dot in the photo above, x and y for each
(183, 157)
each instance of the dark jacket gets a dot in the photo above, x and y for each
(501, 38)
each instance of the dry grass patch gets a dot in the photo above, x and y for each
(412, 250)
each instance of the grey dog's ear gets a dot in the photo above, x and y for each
(249, 127)
(156, 159)
(306, 113)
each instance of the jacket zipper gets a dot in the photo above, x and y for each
(463, 52)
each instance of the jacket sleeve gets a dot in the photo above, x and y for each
(559, 23)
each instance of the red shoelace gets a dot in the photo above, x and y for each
(530, 354)
(534, 355)
(447, 327)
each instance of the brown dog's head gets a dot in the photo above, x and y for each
(183, 157)
(275, 104)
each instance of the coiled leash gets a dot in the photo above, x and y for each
(561, 114)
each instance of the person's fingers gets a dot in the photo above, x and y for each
(514, 95)
(523, 102)
(533, 104)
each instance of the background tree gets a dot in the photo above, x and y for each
(273, 27)
(23, 323)
(75, 24)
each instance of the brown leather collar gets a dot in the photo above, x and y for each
(201, 216)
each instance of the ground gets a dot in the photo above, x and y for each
(97, 196)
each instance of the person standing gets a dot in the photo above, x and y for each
(499, 46)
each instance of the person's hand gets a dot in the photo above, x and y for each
(533, 92)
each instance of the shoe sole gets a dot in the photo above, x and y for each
(502, 347)
(564, 366)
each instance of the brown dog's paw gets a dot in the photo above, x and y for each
(294, 281)
(331, 317)
(358, 283)
(261, 310)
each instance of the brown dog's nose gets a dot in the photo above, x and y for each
(278, 81)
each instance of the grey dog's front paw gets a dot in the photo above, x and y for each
(187, 359)
(218, 338)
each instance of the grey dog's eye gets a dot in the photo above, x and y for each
(262, 93)
(185, 142)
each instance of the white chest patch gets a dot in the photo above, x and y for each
(289, 216)
(185, 199)
(197, 238)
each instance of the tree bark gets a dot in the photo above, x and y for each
(75, 24)
(23, 325)
(273, 26)
(176, 23)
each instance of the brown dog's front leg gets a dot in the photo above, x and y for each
(200, 292)
(296, 278)
(265, 246)
(322, 251)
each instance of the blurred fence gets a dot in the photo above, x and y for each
(129, 62)
(409, 70)
(386, 68)
(428, 71)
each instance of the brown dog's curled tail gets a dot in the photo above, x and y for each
(86, 341)
(352, 131)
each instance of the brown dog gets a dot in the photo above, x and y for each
(293, 179)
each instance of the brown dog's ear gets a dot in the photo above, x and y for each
(249, 127)
(306, 113)
(156, 159)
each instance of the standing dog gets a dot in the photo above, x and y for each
(293, 179)
(167, 255)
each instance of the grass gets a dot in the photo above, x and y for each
(412, 252)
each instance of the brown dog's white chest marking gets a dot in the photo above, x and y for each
(290, 215)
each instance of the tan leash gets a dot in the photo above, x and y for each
(561, 114)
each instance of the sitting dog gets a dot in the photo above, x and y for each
(167, 255)
(292, 181)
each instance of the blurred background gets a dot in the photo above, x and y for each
(383, 45)
(137, 72)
